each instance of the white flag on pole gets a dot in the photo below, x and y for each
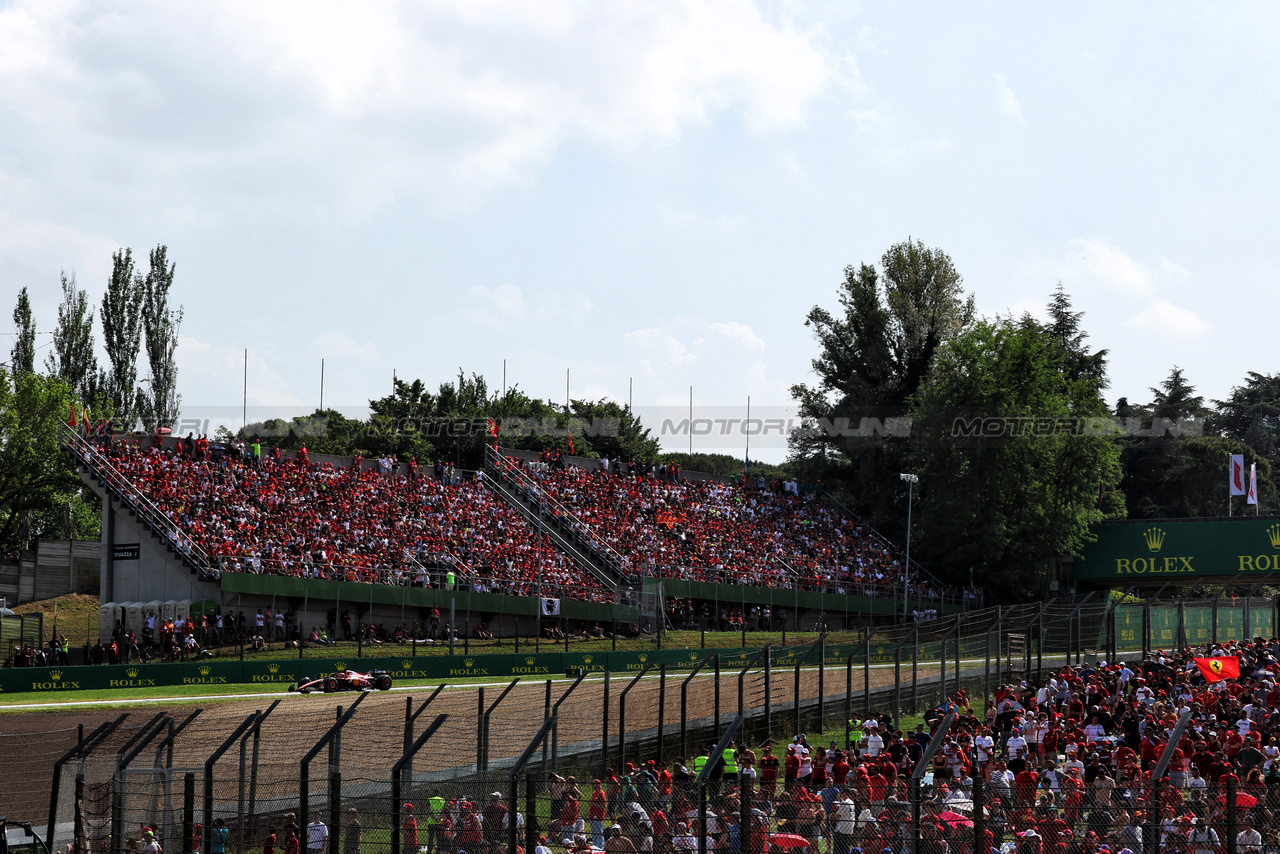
(550, 607)
(1237, 474)
(1253, 485)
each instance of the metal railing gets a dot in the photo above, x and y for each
(151, 515)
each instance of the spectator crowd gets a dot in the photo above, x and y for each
(1065, 766)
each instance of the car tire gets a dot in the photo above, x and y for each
(330, 685)
(384, 682)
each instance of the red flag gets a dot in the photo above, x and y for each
(493, 428)
(1217, 669)
(72, 422)
(570, 435)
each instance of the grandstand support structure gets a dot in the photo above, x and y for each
(129, 518)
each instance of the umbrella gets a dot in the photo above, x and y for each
(164, 431)
(1242, 800)
(955, 818)
(789, 840)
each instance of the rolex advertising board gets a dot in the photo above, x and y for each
(1183, 549)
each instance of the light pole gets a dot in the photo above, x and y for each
(911, 481)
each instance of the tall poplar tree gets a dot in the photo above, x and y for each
(158, 401)
(122, 335)
(23, 355)
(73, 360)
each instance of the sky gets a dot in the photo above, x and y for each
(649, 196)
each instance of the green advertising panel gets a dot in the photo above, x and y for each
(1164, 626)
(1180, 549)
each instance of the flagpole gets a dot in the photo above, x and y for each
(691, 421)
(746, 457)
(1229, 473)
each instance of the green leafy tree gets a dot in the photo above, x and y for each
(159, 404)
(122, 334)
(1251, 414)
(872, 355)
(23, 355)
(37, 482)
(1012, 446)
(72, 359)
(1173, 466)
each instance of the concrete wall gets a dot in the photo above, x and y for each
(158, 574)
(52, 568)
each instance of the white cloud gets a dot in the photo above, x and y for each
(1109, 266)
(505, 303)
(1007, 99)
(1170, 321)
(337, 345)
(739, 332)
(245, 108)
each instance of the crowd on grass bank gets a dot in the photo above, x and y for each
(1065, 766)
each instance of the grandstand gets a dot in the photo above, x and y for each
(517, 529)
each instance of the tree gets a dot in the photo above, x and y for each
(1172, 469)
(1014, 447)
(1252, 415)
(73, 359)
(122, 335)
(872, 357)
(36, 478)
(23, 354)
(160, 404)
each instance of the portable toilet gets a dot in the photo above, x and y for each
(168, 610)
(132, 617)
(107, 621)
(182, 611)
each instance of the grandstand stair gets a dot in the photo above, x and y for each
(132, 505)
(556, 531)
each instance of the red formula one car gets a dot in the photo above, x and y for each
(345, 680)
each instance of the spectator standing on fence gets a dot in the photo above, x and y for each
(409, 833)
(317, 835)
(351, 842)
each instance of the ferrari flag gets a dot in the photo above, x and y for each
(1217, 669)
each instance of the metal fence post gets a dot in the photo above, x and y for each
(335, 813)
(662, 711)
(622, 715)
(480, 730)
(188, 811)
(768, 696)
(78, 817)
(241, 794)
(848, 700)
(822, 673)
(1232, 815)
(915, 674)
(717, 692)
(866, 680)
(604, 727)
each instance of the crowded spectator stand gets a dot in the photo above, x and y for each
(651, 522)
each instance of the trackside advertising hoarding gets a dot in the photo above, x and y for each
(1182, 549)
(403, 669)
